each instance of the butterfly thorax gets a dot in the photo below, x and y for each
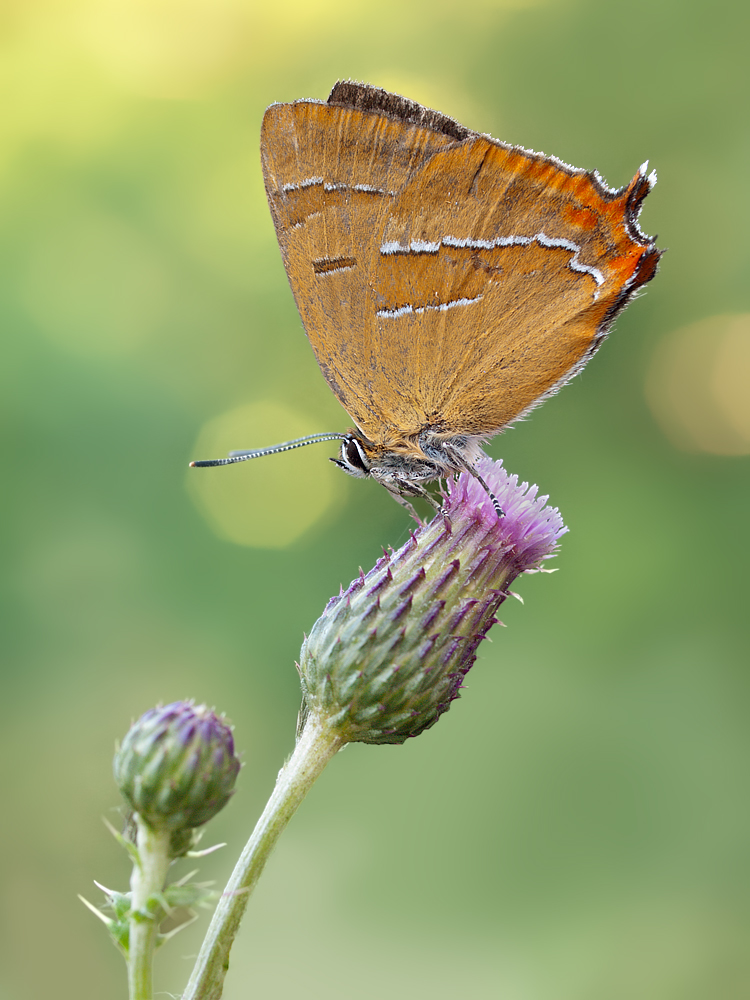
(399, 464)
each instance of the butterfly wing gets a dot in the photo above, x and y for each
(331, 176)
(507, 269)
(445, 280)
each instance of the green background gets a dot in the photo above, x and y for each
(577, 827)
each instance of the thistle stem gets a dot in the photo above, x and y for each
(316, 745)
(147, 881)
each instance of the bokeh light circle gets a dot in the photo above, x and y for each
(271, 502)
(698, 385)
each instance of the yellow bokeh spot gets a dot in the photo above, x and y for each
(698, 385)
(270, 502)
(167, 48)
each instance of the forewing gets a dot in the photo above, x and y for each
(445, 280)
(331, 176)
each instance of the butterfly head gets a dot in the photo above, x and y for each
(390, 465)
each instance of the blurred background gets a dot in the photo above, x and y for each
(578, 826)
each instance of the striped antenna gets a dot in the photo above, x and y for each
(243, 456)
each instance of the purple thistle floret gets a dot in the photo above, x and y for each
(389, 654)
(176, 767)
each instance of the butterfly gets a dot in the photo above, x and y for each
(447, 282)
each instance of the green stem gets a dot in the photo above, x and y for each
(315, 747)
(147, 880)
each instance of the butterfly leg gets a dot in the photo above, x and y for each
(461, 462)
(405, 503)
(403, 488)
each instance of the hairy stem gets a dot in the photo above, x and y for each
(147, 880)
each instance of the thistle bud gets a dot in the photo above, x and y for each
(389, 654)
(176, 767)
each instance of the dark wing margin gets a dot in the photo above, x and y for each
(363, 97)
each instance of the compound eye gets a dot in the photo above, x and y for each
(354, 456)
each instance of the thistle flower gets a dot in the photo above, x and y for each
(176, 767)
(389, 654)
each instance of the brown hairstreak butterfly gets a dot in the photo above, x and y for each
(448, 282)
